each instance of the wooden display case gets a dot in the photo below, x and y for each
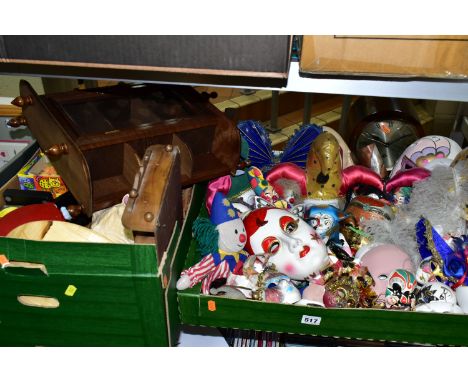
(96, 138)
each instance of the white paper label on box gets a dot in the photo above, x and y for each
(311, 320)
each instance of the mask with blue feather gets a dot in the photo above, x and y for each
(260, 152)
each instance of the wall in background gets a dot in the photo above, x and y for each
(9, 85)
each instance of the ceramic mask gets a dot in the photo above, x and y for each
(462, 298)
(228, 291)
(438, 298)
(402, 196)
(359, 209)
(353, 235)
(263, 188)
(323, 219)
(427, 152)
(280, 289)
(313, 295)
(245, 201)
(323, 170)
(366, 207)
(381, 261)
(293, 246)
(424, 273)
(400, 289)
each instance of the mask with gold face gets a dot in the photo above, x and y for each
(323, 170)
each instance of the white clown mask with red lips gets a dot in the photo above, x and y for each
(295, 248)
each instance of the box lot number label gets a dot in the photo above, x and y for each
(311, 320)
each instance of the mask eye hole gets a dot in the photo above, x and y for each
(382, 277)
(271, 245)
(288, 224)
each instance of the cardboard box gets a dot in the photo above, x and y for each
(38, 174)
(365, 324)
(441, 57)
(93, 294)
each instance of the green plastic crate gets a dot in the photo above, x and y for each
(364, 324)
(123, 296)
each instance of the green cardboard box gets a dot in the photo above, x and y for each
(101, 294)
(365, 324)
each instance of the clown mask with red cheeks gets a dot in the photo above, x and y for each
(294, 247)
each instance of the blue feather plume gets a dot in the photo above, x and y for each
(298, 146)
(260, 152)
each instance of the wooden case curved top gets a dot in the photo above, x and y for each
(107, 130)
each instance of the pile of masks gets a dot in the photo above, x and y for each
(308, 226)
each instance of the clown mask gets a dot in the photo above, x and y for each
(293, 246)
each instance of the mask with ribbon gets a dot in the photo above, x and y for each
(448, 265)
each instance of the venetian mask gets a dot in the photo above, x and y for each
(348, 285)
(381, 261)
(462, 298)
(263, 188)
(292, 245)
(323, 169)
(436, 297)
(369, 208)
(400, 289)
(312, 295)
(323, 219)
(402, 196)
(424, 273)
(244, 202)
(427, 152)
(276, 288)
(359, 209)
(264, 283)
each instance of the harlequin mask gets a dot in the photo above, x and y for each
(294, 247)
(263, 188)
(400, 289)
